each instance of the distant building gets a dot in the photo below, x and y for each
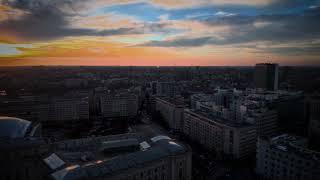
(21, 107)
(154, 85)
(164, 88)
(75, 83)
(286, 157)
(119, 105)
(47, 109)
(64, 109)
(226, 137)
(266, 76)
(172, 110)
(195, 98)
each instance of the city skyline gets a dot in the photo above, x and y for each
(159, 32)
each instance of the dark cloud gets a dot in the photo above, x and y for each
(275, 28)
(290, 3)
(45, 20)
(181, 42)
(292, 51)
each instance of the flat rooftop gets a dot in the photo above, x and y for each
(294, 144)
(87, 159)
(173, 101)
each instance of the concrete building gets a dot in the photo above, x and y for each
(266, 121)
(164, 88)
(237, 140)
(20, 146)
(47, 109)
(116, 157)
(314, 120)
(292, 112)
(196, 98)
(119, 105)
(266, 76)
(64, 110)
(260, 111)
(157, 158)
(286, 157)
(21, 107)
(241, 106)
(75, 83)
(172, 111)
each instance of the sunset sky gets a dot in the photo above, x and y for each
(159, 32)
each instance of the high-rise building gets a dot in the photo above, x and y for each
(286, 157)
(266, 76)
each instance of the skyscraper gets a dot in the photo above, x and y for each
(266, 76)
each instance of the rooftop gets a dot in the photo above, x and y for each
(13, 127)
(294, 144)
(90, 162)
(173, 101)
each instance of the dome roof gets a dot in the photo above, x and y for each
(13, 127)
(175, 147)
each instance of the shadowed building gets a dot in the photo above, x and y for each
(123, 156)
(20, 149)
(314, 121)
(286, 157)
(172, 111)
(225, 137)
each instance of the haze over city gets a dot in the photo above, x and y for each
(159, 32)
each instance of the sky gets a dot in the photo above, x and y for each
(159, 32)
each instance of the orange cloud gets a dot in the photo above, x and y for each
(75, 48)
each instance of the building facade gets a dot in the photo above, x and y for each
(225, 137)
(47, 109)
(119, 105)
(314, 121)
(266, 121)
(172, 111)
(64, 109)
(286, 157)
